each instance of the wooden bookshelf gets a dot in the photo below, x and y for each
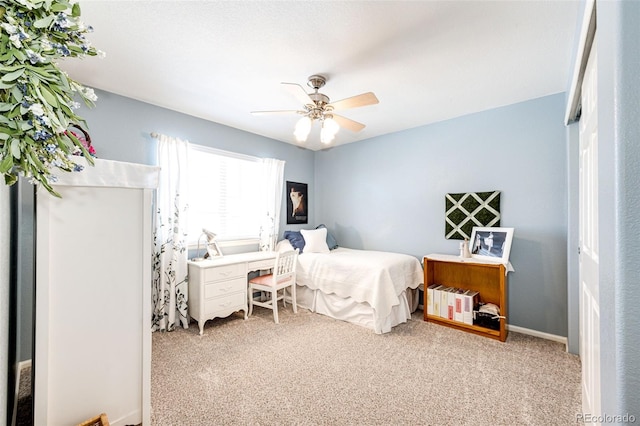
(488, 279)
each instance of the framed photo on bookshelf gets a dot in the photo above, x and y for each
(491, 243)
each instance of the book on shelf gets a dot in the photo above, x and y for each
(471, 299)
(444, 302)
(429, 301)
(452, 303)
(458, 313)
(436, 300)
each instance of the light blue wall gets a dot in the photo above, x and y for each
(618, 36)
(628, 218)
(120, 130)
(392, 197)
(387, 193)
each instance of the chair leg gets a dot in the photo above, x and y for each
(293, 298)
(274, 305)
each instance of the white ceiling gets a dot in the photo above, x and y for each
(426, 61)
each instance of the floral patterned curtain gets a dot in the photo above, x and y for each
(272, 181)
(170, 288)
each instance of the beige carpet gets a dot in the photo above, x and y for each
(312, 370)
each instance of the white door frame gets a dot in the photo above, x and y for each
(589, 298)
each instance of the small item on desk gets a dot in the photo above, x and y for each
(464, 249)
(213, 249)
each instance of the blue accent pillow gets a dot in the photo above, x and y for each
(331, 241)
(295, 238)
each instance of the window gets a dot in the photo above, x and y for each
(226, 192)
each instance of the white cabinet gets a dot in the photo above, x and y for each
(218, 286)
(92, 351)
(216, 291)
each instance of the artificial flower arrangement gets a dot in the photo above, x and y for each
(37, 97)
(84, 138)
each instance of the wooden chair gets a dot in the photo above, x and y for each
(283, 276)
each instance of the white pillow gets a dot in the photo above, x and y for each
(284, 245)
(315, 240)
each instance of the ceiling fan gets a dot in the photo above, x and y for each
(316, 106)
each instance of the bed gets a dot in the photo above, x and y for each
(374, 289)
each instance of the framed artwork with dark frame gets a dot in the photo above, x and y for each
(491, 243)
(465, 210)
(297, 203)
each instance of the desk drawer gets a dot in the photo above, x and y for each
(260, 265)
(224, 272)
(224, 288)
(222, 304)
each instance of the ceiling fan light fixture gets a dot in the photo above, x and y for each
(317, 106)
(329, 130)
(303, 128)
(330, 124)
(326, 137)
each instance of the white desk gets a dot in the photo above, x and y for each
(218, 286)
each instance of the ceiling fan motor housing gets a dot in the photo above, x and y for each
(316, 111)
(316, 81)
(319, 98)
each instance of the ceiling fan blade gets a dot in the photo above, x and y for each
(288, 111)
(355, 101)
(348, 123)
(299, 93)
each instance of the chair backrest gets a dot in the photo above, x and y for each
(285, 266)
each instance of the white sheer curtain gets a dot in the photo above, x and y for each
(273, 175)
(170, 287)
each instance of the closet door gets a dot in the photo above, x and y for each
(589, 241)
(93, 284)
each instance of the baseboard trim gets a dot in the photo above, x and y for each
(535, 333)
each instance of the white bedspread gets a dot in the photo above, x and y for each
(368, 276)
